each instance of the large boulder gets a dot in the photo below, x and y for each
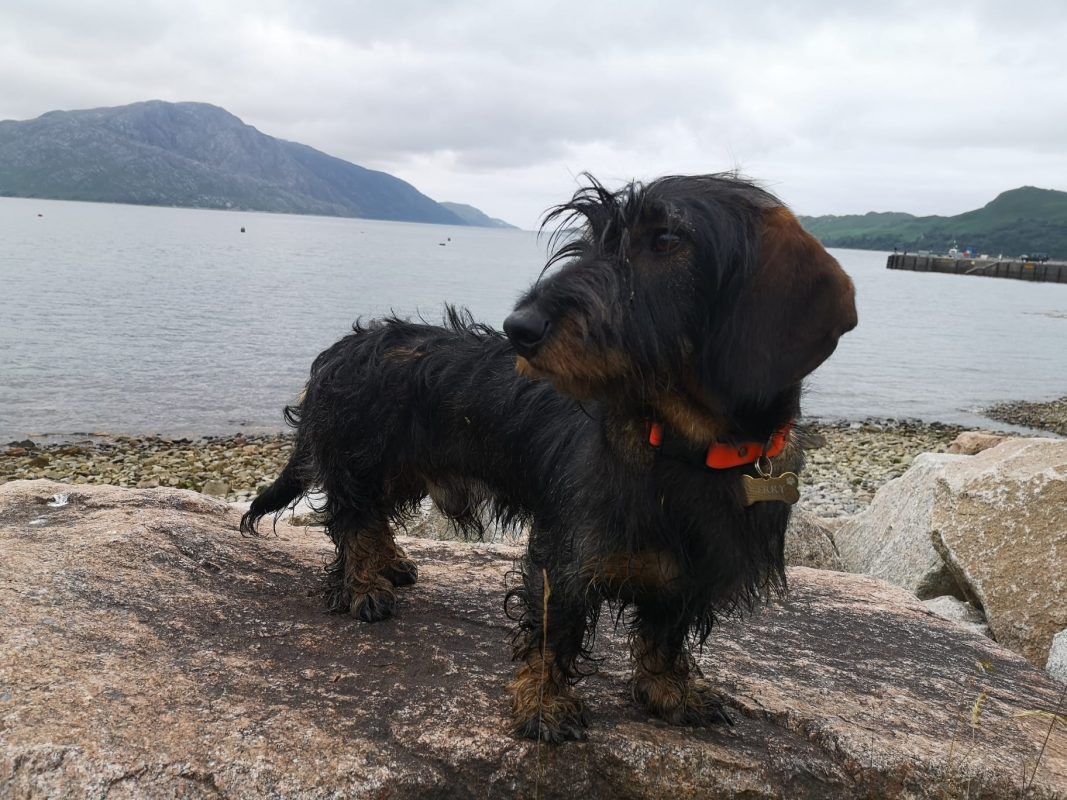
(1000, 525)
(891, 538)
(149, 650)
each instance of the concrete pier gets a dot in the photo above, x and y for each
(1049, 272)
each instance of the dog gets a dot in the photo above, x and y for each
(638, 413)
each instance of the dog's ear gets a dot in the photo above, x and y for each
(789, 315)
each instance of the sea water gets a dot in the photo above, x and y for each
(140, 320)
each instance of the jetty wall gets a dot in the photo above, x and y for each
(1049, 272)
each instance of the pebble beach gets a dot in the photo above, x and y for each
(847, 461)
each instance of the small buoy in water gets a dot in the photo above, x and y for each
(40, 215)
(242, 229)
(450, 238)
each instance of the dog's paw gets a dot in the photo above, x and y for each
(401, 572)
(555, 728)
(693, 702)
(374, 605)
(705, 706)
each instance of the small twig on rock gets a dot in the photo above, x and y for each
(1048, 734)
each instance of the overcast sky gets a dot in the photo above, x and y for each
(838, 106)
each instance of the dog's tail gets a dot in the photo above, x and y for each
(287, 488)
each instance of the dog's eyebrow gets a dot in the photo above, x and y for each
(661, 209)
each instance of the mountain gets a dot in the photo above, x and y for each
(473, 216)
(194, 154)
(1024, 220)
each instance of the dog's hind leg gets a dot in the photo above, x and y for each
(549, 644)
(667, 681)
(368, 565)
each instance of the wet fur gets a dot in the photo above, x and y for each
(695, 301)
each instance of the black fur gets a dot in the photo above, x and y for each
(636, 322)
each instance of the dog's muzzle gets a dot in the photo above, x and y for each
(527, 328)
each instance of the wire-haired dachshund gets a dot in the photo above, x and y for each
(638, 413)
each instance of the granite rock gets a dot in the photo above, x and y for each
(1000, 524)
(151, 650)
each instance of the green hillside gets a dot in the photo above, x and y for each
(1024, 220)
(199, 155)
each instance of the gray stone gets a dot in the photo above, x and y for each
(150, 650)
(1057, 656)
(216, 488)
(971, 443)
(891, 539)
(961, 612)
(809, 543)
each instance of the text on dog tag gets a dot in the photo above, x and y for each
(784, 488)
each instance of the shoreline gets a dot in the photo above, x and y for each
(847, 461)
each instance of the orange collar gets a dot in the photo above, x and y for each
(727, 456)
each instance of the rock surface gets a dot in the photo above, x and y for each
(149, 650)
(1000, 523)
(891, 539)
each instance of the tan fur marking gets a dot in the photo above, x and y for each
(398, 552)
(569, 363)
(540, 691)
(663, 686)
(688, 417)
(366, 556)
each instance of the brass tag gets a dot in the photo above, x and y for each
(784, 488)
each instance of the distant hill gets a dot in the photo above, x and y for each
(1024, 220)
(473, 216)
(198, 155)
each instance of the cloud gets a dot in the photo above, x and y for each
(841, 106)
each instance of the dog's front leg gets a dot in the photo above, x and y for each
(667, 681)
(546, 706)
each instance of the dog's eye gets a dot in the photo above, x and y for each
(665, 242)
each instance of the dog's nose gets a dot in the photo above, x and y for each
(527, 329)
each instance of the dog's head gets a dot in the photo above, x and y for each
(705, 286)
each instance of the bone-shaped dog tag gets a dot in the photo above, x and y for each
(784, 488)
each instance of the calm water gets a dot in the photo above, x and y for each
(127, 319)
